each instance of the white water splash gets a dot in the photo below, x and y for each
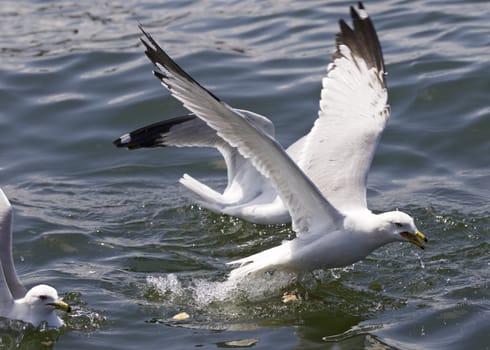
(201, 292)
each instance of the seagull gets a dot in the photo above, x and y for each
(333, 225)
(248, 195)
(35, 306)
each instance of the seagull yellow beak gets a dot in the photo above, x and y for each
(61, 305)
(417, 238)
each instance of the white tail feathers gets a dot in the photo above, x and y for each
(268, 260)
(246, 269)
(203, 194)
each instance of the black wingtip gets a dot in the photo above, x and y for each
(159, 75)
(150, 136)
(118, 142)
(165, 63)
(125, 141)
(354, 14)
(361, 39)
(145, 33)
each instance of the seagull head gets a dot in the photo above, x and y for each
(402, 228)
(42, 301)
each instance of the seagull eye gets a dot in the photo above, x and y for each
(398, 224)
(43, 297)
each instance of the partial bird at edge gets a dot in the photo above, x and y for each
(37, 305)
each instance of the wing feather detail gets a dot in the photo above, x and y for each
(338, 151)
(308, 208)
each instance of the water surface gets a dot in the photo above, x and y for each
(122, 242)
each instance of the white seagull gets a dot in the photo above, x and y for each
(34, 306)
(333, 225)
(248, 195)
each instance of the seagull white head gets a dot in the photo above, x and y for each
(401, 227)
(40, 304)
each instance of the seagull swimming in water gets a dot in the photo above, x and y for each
(333, 226)
(37, 305)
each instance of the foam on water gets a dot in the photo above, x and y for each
(201, 292)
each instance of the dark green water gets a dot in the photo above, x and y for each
(119, 238)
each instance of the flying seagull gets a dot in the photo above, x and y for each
(333, 225)
(34, 306)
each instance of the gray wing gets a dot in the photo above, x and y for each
(10, 286)
(308, 208)
(190, 131)
(338, 151)
(185, 131)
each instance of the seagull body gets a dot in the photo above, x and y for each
(329, 213)
(34, 306)
(328, 248)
